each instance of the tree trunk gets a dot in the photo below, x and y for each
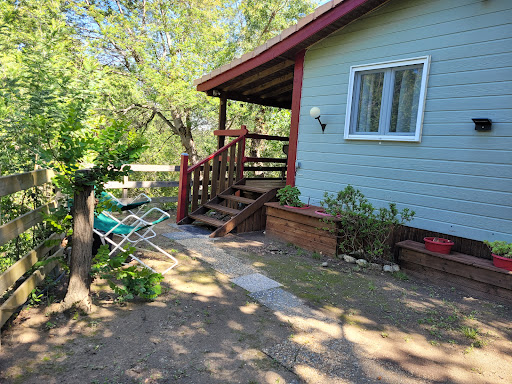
(190, 147)
(81, 255)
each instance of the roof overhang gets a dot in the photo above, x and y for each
(265, 75)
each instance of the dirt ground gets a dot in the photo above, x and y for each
(204, 329)
(413, 330)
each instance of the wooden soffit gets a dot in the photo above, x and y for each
(265, 75)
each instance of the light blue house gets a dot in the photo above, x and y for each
(398, 83)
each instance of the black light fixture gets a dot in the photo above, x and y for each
(482, 124)
(315, 114)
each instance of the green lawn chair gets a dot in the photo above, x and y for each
(136, 203)
(133, 230)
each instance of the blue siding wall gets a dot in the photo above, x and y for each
(458, 180)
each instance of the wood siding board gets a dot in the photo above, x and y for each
(426, 165)
(445, 177)
(316, 181)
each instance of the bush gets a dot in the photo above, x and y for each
(126, 282)
(289, 196)
(363, 229)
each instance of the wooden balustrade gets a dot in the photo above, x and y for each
(203, 181)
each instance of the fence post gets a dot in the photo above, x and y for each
(183, 189)
(125, 190)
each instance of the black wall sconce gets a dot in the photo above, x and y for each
(315, 114)
(482, 124)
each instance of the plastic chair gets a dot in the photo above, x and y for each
(133, 230)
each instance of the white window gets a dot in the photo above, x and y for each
(386, 100)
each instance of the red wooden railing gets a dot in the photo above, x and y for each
(203, 181)
(214, 174)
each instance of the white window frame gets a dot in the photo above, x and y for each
(382, 135)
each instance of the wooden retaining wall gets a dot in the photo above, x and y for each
(300, 227)
(469, 273)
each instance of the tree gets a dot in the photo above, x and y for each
(153, 50)
(52, 89)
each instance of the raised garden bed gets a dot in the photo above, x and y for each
(300, 227)
(463, 271)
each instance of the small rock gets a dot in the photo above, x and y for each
(388, 268)
(395, 268)
(325, 264)
(361, 262)
(349, 259)
(375, 267)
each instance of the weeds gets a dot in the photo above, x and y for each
(470, 333)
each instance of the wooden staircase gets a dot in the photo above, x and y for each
(239, 205)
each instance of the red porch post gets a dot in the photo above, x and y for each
(244, 128)
(183, 189)
(294, 124)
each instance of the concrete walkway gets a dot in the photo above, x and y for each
(318, 352)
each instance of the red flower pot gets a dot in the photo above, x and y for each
(443, 246)
(502, 262)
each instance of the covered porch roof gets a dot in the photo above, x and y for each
(265, 75)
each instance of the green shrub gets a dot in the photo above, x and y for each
(363, 229)
(126, 282)
(289, 196)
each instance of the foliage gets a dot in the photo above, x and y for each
(289, 196)
(152, 51)
(363, 229)
(500, 248)
(126, 282)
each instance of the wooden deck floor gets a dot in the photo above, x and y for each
(266, 183)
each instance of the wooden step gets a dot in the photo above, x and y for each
(238, 199)
(250, 188)
(223, 209)
(208, 220)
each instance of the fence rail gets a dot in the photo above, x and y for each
(127, 184)
(9, 231)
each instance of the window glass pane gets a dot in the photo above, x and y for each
(406, 96)
(368, 105)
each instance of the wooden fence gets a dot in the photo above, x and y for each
(129, 184)
(9, 231)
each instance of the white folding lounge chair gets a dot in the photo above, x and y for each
(132, 230)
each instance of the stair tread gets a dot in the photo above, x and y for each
(208, 220)
(250, 188)
(243, 200)
(223, 209)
